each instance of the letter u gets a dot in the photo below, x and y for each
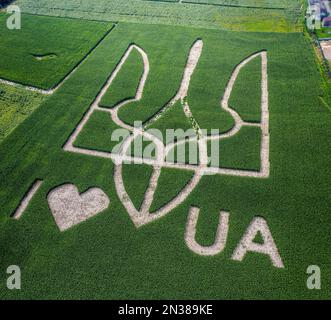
(221, 234)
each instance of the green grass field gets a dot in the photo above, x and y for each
(64, 43)
(61, 43)
(241, 15)
(107, 257)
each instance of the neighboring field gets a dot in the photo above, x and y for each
(243, 15)
(283, 4)
(16, 105)
(46, 49)
(106, 256)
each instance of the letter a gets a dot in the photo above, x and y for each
(268, 247)
(14, 281)
(14, 21)
(314, 279)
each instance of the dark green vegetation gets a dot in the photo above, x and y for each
(170, 184)
(173, 118)
(136, 187)
(185, 153)
(68, 41)
(126, 83)
(243, 15)
(246, 94)
(45, 51)
(97, 133)
(106, 256)
(241, 151)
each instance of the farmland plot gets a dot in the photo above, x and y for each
(279, 4)
(243, 15)
(107, 256)
(46, 51)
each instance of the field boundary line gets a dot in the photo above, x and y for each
(231, 5)
(217, 4)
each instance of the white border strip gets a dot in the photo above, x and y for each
(26, 200)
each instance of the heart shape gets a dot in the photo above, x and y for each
(70, 208)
